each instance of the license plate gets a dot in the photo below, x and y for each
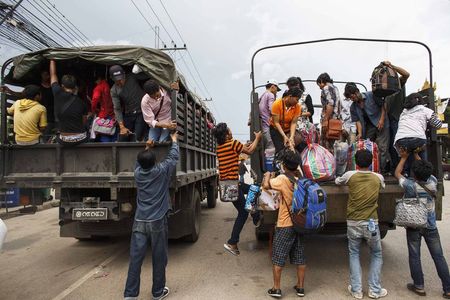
(90, 214)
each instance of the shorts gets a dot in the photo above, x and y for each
(287, 241)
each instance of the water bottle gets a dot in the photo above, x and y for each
(371, 227)
(253, 192)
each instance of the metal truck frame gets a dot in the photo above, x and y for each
(99, 177)
(337, 195)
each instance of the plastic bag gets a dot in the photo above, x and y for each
(269, 200)
(341, 156)
(359, 145)
(318, 163)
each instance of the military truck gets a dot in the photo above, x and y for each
(94, 181)
(337, 195)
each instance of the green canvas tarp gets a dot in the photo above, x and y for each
(154, 63)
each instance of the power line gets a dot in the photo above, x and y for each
(159, 20)
(70, 22)
(173, 23)
(148, 23)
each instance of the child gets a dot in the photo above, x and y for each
(286, 240)
(424, 185)
(412, 127)
(364, 189)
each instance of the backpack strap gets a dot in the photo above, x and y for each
(431, 193)
(159, 109)
(68, 104)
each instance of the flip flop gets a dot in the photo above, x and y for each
(413, 288)
(233, 251)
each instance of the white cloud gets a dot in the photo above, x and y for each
(239, 74)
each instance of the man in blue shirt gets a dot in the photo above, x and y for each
(371, 120)
(423, 185)
(150, 224)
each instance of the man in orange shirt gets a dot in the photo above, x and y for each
(285, 114)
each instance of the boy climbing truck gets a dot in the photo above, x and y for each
(95, 180)
(337, 195)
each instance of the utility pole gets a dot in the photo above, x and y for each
(9, 14)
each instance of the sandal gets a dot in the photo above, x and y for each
(234, 251)
(413, 288)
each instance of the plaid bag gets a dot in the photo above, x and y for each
(229, 190)
(318, 163)
(359, 145)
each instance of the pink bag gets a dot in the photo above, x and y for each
(318, 163)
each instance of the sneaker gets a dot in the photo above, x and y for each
(276, 293)
(234, 251)
(357, 295)
(412, 288)
(381, 294)
(165, 293)
(299, 291)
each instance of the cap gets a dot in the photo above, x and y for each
(274, 82)
(116, 72)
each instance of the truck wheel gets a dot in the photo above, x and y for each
(383, 233)
(211, 197)
(195, 219)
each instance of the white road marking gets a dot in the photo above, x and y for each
(83, 279)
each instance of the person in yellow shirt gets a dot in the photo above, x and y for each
(30, 117)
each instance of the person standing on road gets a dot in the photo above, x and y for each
(126, 94)
(242, 169)
(150, 224)
(424, 184)
(286, 240)
(362, 224)
(228, 151)
(265, 111)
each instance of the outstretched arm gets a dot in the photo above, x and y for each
(53, 75)
(250, 149)
(403, 157)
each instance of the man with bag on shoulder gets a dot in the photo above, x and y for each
(369, 113)
(362, 224)
(424, 184)
(228, 151)
(286, 240)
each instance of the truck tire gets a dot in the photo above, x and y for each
(211, 191)
(383, 233)
(195, 219)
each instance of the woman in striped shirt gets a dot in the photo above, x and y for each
(228, 151)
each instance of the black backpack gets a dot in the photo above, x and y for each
(385, 81)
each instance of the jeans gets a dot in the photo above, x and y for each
(144, 233)
(355, 236)
(278, 141)
(242, 216)
(267, 139)
(432, 239)
(158, 134)
(136, 124)
(382, 140)
(410, 144)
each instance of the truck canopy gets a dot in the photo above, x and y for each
(155, 63)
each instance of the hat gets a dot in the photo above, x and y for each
(274, 82)
(116, 72)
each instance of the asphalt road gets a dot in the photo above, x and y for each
(37, 264)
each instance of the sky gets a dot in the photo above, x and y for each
(223, 35)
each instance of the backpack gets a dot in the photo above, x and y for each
(385, 81)
(309, 206)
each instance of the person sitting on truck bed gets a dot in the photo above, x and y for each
(285, 114)
(331, 105)
(286, 241)
(362, 223)
(371, 120)
(70, 110)
(127, 95)
(150, 222)
(102, 106)
(424, 184)
(228, 151)
(30, 117)
(412, 127)
(156, 108)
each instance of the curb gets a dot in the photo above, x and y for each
(16, 210)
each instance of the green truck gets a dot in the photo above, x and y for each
(95, 181)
